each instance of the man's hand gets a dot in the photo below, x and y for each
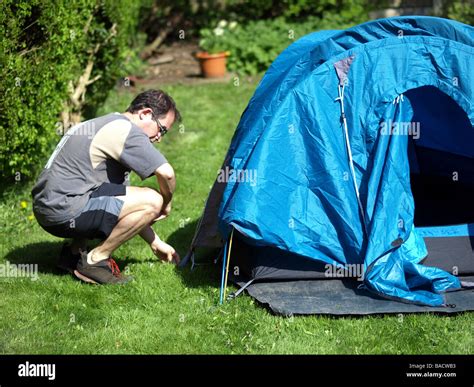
(165, 252)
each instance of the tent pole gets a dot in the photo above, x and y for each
(349, 153)
(225, 266)
(224, 257)
(228, 261)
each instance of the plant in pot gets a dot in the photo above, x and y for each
(213, 43)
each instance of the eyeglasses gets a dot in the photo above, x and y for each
(163, 129)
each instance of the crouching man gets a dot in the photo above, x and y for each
(82, 193)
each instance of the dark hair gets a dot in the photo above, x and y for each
(156, 100)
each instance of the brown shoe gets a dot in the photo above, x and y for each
(103, 272)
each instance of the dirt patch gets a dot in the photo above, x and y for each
(175, 63)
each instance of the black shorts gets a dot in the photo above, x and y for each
(98, 217)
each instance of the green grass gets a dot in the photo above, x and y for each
(166, 310)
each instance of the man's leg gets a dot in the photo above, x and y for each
(141, 206)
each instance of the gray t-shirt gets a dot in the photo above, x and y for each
(102, 150)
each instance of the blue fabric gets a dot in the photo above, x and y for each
(292, 139)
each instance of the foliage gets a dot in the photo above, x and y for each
(214, 40)
(284, 22)
(202, 14)
(45, 47)
(462, 11)
(296, 9)
(266, 39)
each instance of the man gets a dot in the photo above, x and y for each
(83, 191)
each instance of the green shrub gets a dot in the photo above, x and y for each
(45, 48)
(247, 10)
(214, 40)
(266, 39)
(462, 11)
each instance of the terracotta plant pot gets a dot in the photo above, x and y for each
(213, 65)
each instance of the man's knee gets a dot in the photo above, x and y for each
(141, 199)
(153, 200)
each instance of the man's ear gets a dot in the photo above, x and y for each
(145, 112)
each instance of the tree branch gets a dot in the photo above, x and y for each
(170, 26)
(77, 92)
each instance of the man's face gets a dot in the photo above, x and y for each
(155, 127)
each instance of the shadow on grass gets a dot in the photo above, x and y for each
(205, 274)
(44, 254)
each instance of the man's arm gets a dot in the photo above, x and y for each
(167, 182)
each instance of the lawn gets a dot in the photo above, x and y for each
(166, 310)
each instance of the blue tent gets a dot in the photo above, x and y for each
(356, 146)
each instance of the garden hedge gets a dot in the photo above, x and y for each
(46, 46)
